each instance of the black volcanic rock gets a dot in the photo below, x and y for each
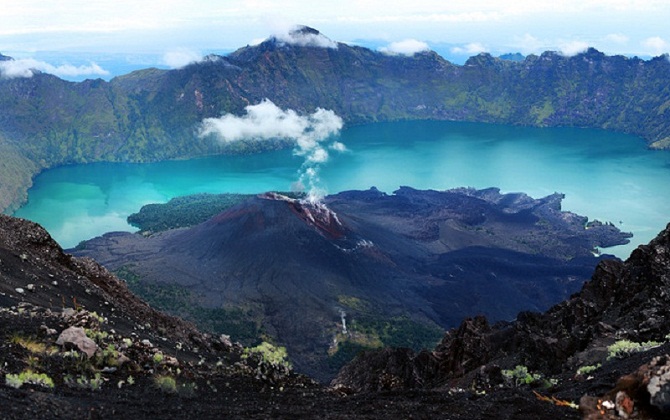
(623, 300)
(413, 258)
(212, 378)
(210, 386)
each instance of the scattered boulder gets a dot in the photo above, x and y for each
(47, 330)
(75, 337)
(658, 385)
(643, 394)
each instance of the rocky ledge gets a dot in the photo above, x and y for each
(619, 321)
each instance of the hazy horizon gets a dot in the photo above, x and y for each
(74, 39)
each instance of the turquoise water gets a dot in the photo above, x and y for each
(606, 176)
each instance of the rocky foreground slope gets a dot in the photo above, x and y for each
(474, 373)
(623, 309)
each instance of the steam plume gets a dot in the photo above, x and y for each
(313, 135)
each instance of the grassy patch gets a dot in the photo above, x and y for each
(367, 332)
(624, 348)
(165, 383)
(28, 377)
(183, 211)
(239, 323)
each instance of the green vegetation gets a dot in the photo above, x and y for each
(586, 370)
(269, 362)
(165, 383)
(28, 377)
(241, 324)
(353, 302)
(520, 375)
(93, 383)
(624, 348)
(152, 115)
(344, 353)
(398, 331)
(183, 211)
(32, 345)
(119, 361)
(367, 331)
(158, 357)
(15, 176)
(268, 353)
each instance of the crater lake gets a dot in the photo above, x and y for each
(608, 176)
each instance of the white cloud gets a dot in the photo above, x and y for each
(407, 47)
(473, 48)
(305, 37)
(263, 121)
(338, 147)
(428, 17)
(529, 44)
(655, 46)
(620, 39)
(153, 26)
(27, 66)
(180, 57)
(570, 48)
(266, 121)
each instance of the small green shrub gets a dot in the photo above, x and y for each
(276, 356)
(99, 318)
(585, 370)
(96, 335)
(28, 377)
(165, 383)
(84, 382)
(158, 357)
(624, 348)
(521, 376)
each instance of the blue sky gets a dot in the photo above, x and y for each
(101, 38)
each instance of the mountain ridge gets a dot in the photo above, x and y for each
(153, 114)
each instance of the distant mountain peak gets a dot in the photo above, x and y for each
(303, 30)
(512, 57)
(304, 36)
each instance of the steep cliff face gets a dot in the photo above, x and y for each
(623, 301)
(154, 114)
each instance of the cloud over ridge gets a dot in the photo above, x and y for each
(407, 47)
(304, 36)
(180, 57)
(26, 67)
